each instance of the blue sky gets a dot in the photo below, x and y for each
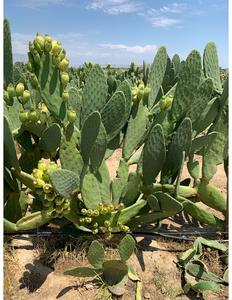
(120, 31)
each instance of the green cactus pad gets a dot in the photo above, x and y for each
(214, 153)
(187, 85)
(211, 196)
(181, 142)
(10, 157)
(136, 129)
(113, 114)
(89, 135)
(75, 102)
(207, 116)
(130, 212)
(202, 97)
(8, 57)
(131, 191)
(211, 66)
(114, 271)
(64, 182)
(94, 92)
(90, 191)
(193, 168)
(126, 89)
(153, 203)
(200, 214)
(156, 75)
(154, 153)
(126, 247)
(50, 139)
(96, 255)
(33, 220)
(70, 156)
(50, 86)
(99, 149)
(15, 207)
(120, 181)
(202, 141)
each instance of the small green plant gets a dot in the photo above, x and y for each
(196, 275)
(114, 273)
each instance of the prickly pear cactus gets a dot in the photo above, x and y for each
(58, 136)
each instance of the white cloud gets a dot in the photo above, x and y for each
(114, 7)
(164, 22)
(164, 15)
(39, 3)
(133, 49)
(174, 8)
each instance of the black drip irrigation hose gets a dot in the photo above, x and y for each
(169, 235)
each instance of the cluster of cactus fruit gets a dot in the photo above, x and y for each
(158, 124)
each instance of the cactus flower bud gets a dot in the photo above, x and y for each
(29, 66)
(34, 80)
(56, 47)
(88, 220)
(62, 55)
(95, 213)
(84, 211)
(33, 116)
(40, 40)
(64, 78)
(31, 47)
(95, 225)
(52, 166)
(11, 90)
(121, 206)
(19, 89)
(104, 211)
(38, 47)
(42, 165)
(111, 207)
(59, 200)
(47, 43)
(23, 116)
(169, 100)
(72, 116)
(47, 187)
(50, 196)
(26, 97)
(63, 65)
(59, 209)
(39, 183)
(65, 96)
(106, 223)
(95, 231)
(66, 211)
(38, 174)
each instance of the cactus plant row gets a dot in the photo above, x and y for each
(64, 133)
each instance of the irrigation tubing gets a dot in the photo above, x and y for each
(169, 235)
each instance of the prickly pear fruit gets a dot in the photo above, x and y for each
(40, 40)
(26, 97)
(211, 196)
(23, 116)
(64, 78)
(11, 90)
(56, 47)
(47, 43)
(33, 116)
(19, 89)
(65, 96)
(63, 65)
(72, 116)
